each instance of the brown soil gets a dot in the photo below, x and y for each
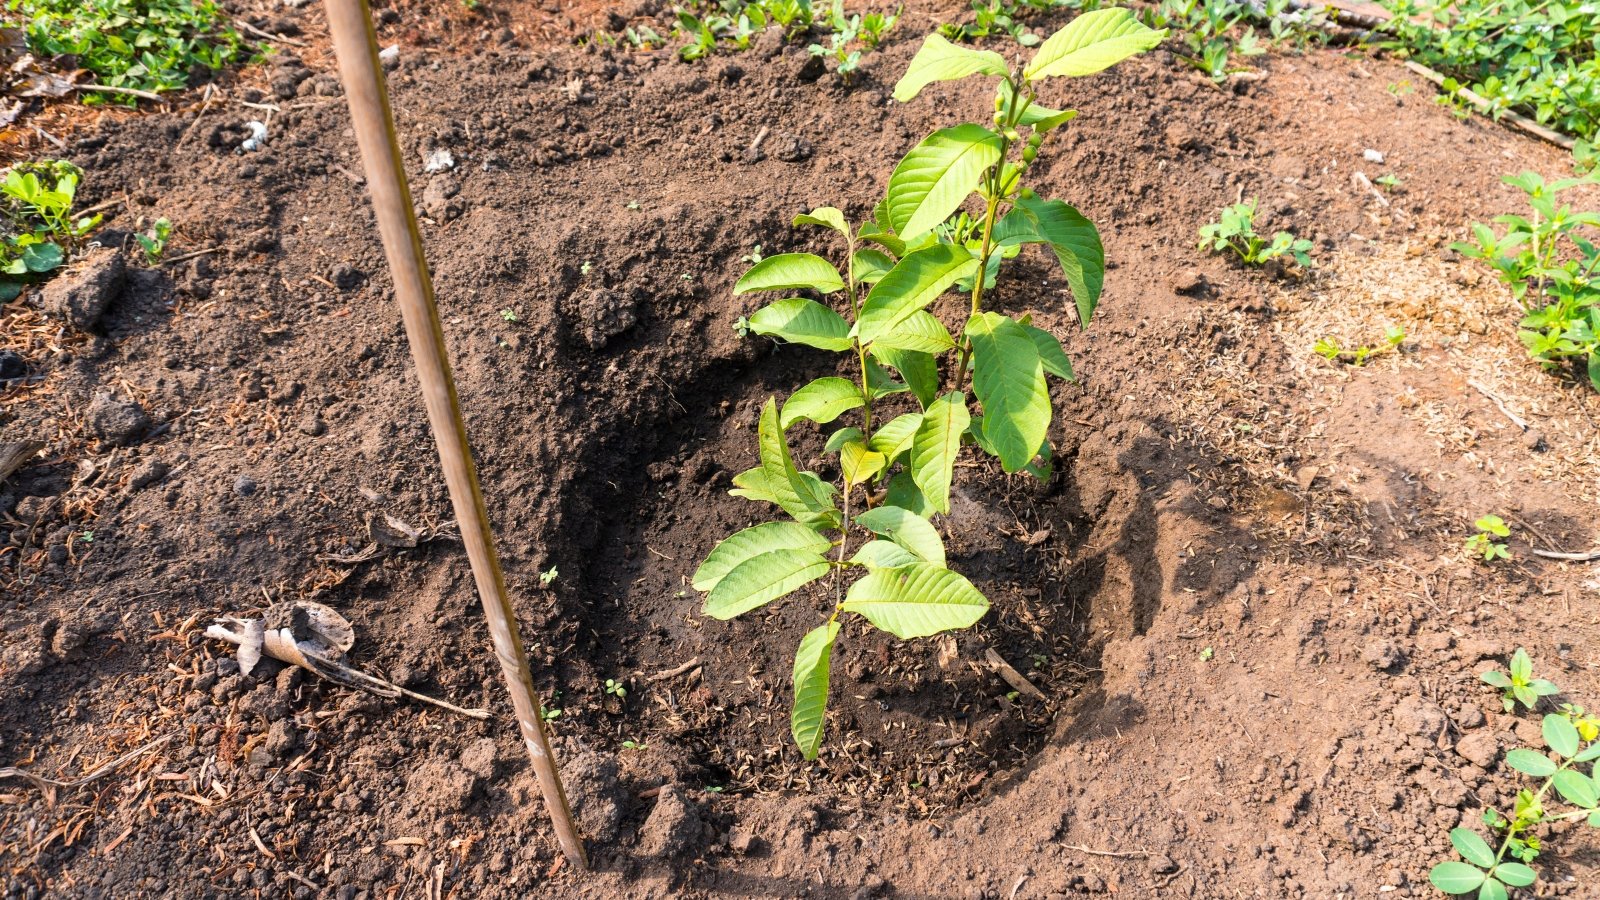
(1242, 589)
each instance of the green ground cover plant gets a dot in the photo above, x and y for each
(1570, 737)
(1540, 58)
(1330, 349)
(38, 228)
(146, 45)
(1489, 541)
(1235, 230)
(876, 528)
(1549, 259)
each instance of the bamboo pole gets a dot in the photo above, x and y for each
(356, 47)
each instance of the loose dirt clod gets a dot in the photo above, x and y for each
(316, 638)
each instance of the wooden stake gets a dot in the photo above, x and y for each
(356, 47)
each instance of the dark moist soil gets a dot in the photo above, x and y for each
(1241, 590)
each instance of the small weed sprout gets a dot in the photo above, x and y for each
(586, 268)
(753, 257)
(1484, 544)
(548, 714)
(154, 244)
(1388, 181)
(1519, 684)
(633, 745)
(548, 577)
(1236, 231)
(615, 689)
(1570, 735)
(1329, 348)
(896, 472)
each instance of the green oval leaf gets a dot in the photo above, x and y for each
(1471, 847)
(826, 217)
(894, 436)
(1008, 378)
(859, 464)
(801, 321)
(42, 257)
(838, 439)
(911, 285)
(871, 265)
(1530, 762)
(821, 401)
(1515, 874)
(936, 445)
(940, 60)
(1076, 244)
(791, 272)
(937, 175)
(1492, 890)
(806, 499)
(916, 600)
(752, 542)
(1091, 43)
(1456, 877)
(1051, 356)
(920, 332)
(1560, 734)
(907, 529)
(904, 493)
(1577, 788)
(919, 370)
(762, 579)
(882, 554)
(811, 663)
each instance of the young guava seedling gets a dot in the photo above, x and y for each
(1484, 544)
(875, 528)
(1519, 684)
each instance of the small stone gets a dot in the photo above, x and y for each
(1372, 156)
(346, 277)
(671, 827)
(313, 425)
(1479, 748)
(1470, 717)
(1382, 655)
(81, 293)
(1188, 281)
(794, 150)
(149, 472)
(117, 422)
(1435, 642)
(1534, 440)
(596, 795)
(1162, 865)
(481, 758)
(244, 486)
(12, 365)
(1416, 716)
(440, 200)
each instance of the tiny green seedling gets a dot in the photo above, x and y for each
(154, 244)
(753, 257)
(1207, 654)
(586, 268)
(1519, 684)
(1329, 348)
(548, 577)
(549, 715)
(633, 205)
(1570, 735)
(1389, 181)
(633, 745)
(615, 688)
(1484, 544)
(919, 243)
(510, 315)
(1236, 231)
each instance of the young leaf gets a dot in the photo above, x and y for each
(912, 284)
(882, 554)
(1495, 678)
(904, 493)
(1561, 735)
(1472, 848)
(880, 383)
(1492, 890)
(932, 180)
(1577, 788)
(907, 529)
(920, 331)
(811, 662)
(826, 217)
(916, 600)
(1521, 662)
(860, 464)
(1008, 378)
(791, 272)
(871, 265)
(821, 401)
(1076, 244)
(1092, 42)
(894, 436)
(42, 257)
(802, 498)
(1530, 762)
(801, 321)
(1456, 877)
(751, 542)
(1051, 356)
(838, 439)
(936, 445)
(1515, 874)
(762, 579)
(940, 60)
(919, 370)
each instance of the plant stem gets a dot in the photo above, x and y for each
(996, 189)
